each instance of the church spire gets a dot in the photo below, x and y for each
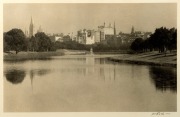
(132, 30)
(31, 28)
(31, 20)
(114, 29)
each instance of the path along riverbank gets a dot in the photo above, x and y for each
(148, 58)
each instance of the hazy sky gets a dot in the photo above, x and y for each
(67, 18)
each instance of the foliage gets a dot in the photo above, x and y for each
(137, 44)
(33, 46)
(70, 45)
(43, 42)
(14, 40)
(162, 39)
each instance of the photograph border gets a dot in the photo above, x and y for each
(86, 114)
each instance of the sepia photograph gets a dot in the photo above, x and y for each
(90, 57)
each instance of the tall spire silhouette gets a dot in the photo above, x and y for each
(114, 29)
(31, 26)
(132, 30)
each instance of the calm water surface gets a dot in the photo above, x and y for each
(81, 83)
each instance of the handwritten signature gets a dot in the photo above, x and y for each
(160, 113)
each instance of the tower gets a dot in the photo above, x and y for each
(114, 30)
(31, 26)
(26, 33)
(115, 40)
(132, 30)
(40, 29)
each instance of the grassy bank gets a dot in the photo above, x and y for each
(113, 52)
(150, 58)
(30, 55)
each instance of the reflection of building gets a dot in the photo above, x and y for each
(90, 61)
(31, 27)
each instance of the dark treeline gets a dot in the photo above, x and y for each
(162, 40)
(15, 40)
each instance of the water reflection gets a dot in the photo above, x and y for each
(107, 69)
(84, 81)
(39, 72)
(164, 78)
(15, 76)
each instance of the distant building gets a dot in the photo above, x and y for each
(132, 30)
(81, 36)
(56, 37)
(97, 37)
(31, 28)
(130, 37)
(26, 33)
(106, 31)
(40, 29)
(90, 37)
(74, 38)
(114, 30)
(86, 36)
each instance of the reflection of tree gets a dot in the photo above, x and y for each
(15, 76)
(164, 78)
(40, 72)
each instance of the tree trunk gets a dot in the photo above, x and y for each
(165, 50)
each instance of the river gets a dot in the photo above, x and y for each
(84, 83)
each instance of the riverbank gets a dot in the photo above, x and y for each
(30, 55)
(149, 58)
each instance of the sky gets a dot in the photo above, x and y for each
(70, 17)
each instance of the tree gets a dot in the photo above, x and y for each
(163, 39)
(137, 45)
(43, 42)
(15, 40)
(33, 44)
(173, 39)
(6, 47)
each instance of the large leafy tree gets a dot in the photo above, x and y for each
(43, 42)
(33, 44)
(15, 40)
(173, 39)
(162, 39)
(137, 45)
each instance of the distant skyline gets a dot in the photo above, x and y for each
(68, 18)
